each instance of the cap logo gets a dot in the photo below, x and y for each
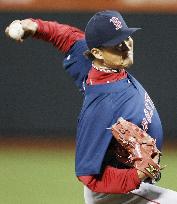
(117, 23)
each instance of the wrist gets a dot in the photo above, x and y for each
(142, 176)
(34, 28)
(29, 26)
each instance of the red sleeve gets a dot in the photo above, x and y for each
(60, 35)
(113, 180)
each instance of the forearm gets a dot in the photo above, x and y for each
(113, 180)
(60, 35)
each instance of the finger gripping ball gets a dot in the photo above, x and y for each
(16, 31)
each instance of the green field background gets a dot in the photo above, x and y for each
(35, 175)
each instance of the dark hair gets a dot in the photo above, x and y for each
(89, 55)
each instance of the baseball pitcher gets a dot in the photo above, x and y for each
(119, 132)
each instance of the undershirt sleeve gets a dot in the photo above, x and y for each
(60, 35)
(113, 180)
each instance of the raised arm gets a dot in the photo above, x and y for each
(67, 39)
(60, 35)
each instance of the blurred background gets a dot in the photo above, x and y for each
(39, 103)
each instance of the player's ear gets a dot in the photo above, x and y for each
(97, 53)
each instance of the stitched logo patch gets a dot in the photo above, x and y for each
(148, 111)
(117, 23)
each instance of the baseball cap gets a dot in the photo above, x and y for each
(106, 29)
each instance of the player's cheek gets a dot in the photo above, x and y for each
(118, 58)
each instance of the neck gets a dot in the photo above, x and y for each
(104, 68)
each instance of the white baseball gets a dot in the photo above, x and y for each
(16, 31)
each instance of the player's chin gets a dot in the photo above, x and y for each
(126, 65)
(128, 62)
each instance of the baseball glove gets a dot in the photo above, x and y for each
(137, 148)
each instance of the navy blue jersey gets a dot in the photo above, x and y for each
(102, 106)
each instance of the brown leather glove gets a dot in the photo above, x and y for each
(138, 149)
